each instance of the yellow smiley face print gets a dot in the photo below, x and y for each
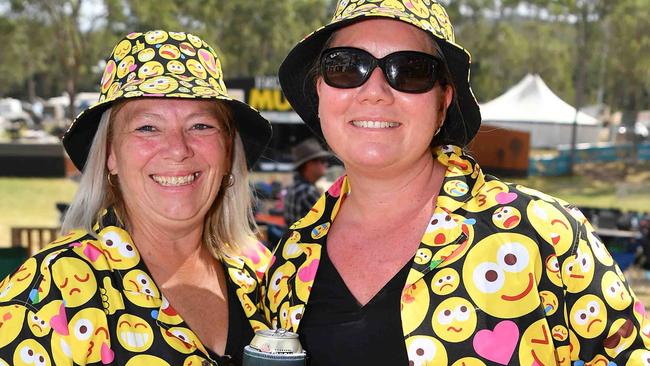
(456, 188)
(506, 217)
(320, 231)
(536, 346)
(551, 225)
(209, 62)
(424, 350)
(134, 333)
(31, 353)
(314, 214)
(242, 279)
(187, 49)
(489, 195)
(175, 67)
(599, 250)
(122, 49)
(126, 66)
(588, 316)
(19, 281)
(196, 68)
(549, 302)
(639, 357)
(146, 360)
(87, 341)
(151, 69)
(415, 303)
(501, 273)
(620, 337)
(169, 52)
(454, 320)
(39, 323)
(445, 281)
(468, 361)
(423, 256)
(11, 321)
(196, 41)
(560, 333)
(552, 266)
(578, 269)
(179, 36)
(181, 339)
(278, 287)
(159, 85)
(614, 291)
(155, 37)
(146, 55)
(141, 290)
(75, 279)
(109, 75)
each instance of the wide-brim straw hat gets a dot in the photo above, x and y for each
(463, 116)
(161, 64)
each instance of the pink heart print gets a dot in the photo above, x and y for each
(335, 189)
(307, 274)
(92, 252)
(505, 197)
(59, 322)
(499, 344)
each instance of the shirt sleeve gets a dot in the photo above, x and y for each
(607, 322)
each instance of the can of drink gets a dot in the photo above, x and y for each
(275, 347)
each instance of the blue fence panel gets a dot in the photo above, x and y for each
(585, 153)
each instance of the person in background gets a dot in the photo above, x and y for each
(415, 256)
(157, 263)
(310, 164)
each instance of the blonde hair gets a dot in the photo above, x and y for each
(229, 225)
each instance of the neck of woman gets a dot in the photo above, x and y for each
(396, 195)
(170, 254)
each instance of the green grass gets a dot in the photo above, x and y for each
(611, 185)
(31, 202)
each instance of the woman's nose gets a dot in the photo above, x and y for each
(178, 145)
(376, 89)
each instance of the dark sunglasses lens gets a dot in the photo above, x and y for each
(410, 72)
(345, 68)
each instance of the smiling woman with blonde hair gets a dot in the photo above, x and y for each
(158, 262)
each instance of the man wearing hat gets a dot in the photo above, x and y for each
(310, 163)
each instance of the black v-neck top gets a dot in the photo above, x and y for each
(348, 333)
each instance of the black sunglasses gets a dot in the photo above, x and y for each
(405, 71)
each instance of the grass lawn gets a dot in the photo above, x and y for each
(31, 202)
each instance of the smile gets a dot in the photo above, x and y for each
(175, 181)
(375, 124)
(524, 293)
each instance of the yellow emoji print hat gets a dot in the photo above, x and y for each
(463, 118)
(161, 64)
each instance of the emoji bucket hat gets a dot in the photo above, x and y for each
(161, 64)
(463, 117)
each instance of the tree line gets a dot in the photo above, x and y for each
(588, 51)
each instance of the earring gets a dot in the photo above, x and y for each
(442, 123)
(110, 182)
(228, 180)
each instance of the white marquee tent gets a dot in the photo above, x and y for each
(531, 106)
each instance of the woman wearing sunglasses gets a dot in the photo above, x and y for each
(416, 256)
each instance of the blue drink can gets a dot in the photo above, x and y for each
(275, 347)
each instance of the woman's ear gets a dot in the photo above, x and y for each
(111, 162)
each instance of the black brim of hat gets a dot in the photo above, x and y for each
(255, 130)
(463, 118)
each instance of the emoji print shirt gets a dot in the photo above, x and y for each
(504, 275)
(84, 301)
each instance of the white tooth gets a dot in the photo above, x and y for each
(375, 124)
(139, 340)
(130, 339)
(175, 181)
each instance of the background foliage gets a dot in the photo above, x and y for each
(588, 51)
